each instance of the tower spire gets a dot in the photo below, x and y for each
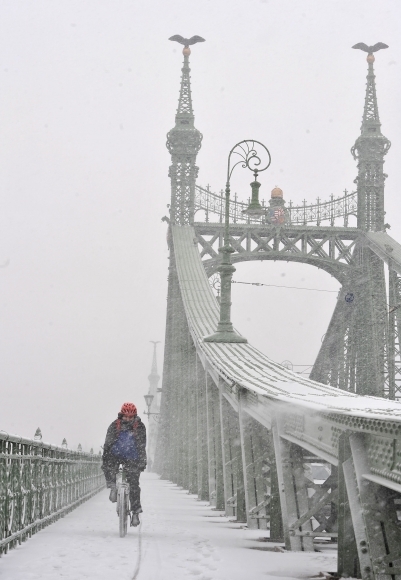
(369, 149)
(185, 110)
(183, 143)
(153, 373)
(370, 119)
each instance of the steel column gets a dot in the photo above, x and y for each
(202, 454)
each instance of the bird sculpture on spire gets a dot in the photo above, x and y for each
(369, 49)
(187, 41)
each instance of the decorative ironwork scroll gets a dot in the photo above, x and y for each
(40, 483)
(337, 211)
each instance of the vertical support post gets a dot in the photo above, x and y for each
(175, 379)
(220, 503)
(348, 563)
(228, 479)
(263, 466)
(392, 279)
(184, 395)
(245, 427)
(193, 426)
(234, 477)
(211, 444)
(180, 412)
(293, 492)
(373, 515)
(301, 492)
(356, 508)
(241, 506)
(203, 486)
(276, 518)
(287, 500)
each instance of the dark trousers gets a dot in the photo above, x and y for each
(110, 468)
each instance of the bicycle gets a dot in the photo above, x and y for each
(123, 503)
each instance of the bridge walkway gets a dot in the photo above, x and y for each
(181, 538)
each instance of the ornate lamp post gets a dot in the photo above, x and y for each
(148, 401)
(246, 155)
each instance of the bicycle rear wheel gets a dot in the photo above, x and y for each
(122, 511)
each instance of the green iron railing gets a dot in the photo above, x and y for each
(338, 211)
(40, 483)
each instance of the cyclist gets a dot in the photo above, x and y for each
(126, 444)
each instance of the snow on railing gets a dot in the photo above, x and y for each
(40, 483)
(336, 211)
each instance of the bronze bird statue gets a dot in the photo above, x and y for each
(187, 41)
(370, 49)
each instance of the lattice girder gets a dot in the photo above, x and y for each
(353, 355)
(330, 249)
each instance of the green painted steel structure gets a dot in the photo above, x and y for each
(40, 483)
(302, 458)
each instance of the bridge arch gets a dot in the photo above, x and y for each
(338, 271)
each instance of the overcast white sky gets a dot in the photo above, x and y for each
(88, 92)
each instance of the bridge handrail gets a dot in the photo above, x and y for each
(316, 213)
(40, 482)
(4, 436)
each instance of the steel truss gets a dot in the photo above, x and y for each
(328, 248)
(300, 477)
(307, 463)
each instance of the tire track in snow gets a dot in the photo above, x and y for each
(139, 558)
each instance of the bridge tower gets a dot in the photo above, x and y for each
(275, 450)
(183, 143)
(369, 149)
(355, 351)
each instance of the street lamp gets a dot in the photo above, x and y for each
(148, 400)
(247, 157)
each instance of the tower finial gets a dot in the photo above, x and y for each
(370, 119)
(186, 41)
(183, 143)
(370, 149)
(185, 100)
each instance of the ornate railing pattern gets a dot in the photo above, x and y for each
(40, 483)
(336, 211)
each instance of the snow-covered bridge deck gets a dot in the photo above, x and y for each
(181, 538)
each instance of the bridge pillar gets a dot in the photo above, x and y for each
(216, 484)
(201, 420)
(211, 447)
(234, 492)
(276, 520)
(247, 452)
(293, 494)
(227, 460)
(374, 516)
(182, 421)
(260, 474)
(348, 562)
(192, 422)
(220, 504)
(241, 505)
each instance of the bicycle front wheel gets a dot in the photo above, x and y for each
(123, 511)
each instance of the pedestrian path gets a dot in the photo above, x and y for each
(180, 539)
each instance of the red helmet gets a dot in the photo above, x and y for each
(128, 409)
